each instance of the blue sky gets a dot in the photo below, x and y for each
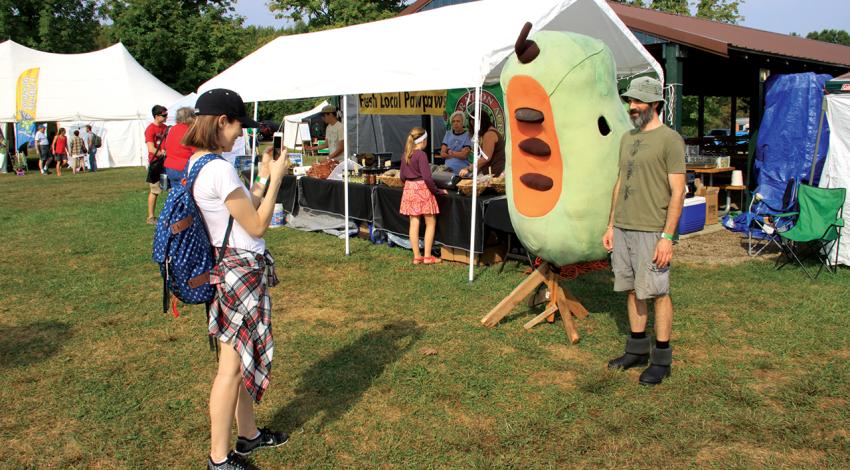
(781, 16)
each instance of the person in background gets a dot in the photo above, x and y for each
(240, 312)
(334, 138)
(417, 199)
(492, 147)
(42, 147)
(154, 134)
(646, 204)
(88, 139)
(176, 154)
(59, 148)
(77, 153)
(4, 154)
(457, 145)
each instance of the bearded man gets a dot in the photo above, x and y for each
(645, 210)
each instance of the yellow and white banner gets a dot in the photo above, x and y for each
(26, 99)
(404, 103)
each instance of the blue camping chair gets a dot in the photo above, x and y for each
(766, 220)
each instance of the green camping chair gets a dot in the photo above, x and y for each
(818, 225)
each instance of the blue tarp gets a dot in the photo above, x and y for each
(788, 132)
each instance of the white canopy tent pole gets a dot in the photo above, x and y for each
(254, 147)
(475, 149)
(345, 168)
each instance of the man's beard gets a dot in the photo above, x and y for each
(641, 117)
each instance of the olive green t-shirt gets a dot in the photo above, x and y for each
(646, 158)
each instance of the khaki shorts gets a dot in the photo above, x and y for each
(155, 188)
(633, 266)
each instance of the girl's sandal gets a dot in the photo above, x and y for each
(431, 260)
(417, 260)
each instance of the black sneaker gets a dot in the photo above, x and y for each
(267, 438)
(234, 462)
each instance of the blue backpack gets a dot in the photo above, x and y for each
(181, 244)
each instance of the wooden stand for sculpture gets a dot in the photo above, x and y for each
(560, 301)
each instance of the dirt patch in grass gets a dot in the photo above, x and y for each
(832, 403)
(566, 380)
(571, 353)
(312, 314)
(721, 248)
(759, 457)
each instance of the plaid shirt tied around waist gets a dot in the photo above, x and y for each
(240, 313)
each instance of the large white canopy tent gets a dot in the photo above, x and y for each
(107, 89)
(459, 46)
(836, 170)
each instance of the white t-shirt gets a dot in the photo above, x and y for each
(333, 134)
(41, 138)
(214, 183)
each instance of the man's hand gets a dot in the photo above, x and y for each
(663, 253)
(463, 172)
(608, 239)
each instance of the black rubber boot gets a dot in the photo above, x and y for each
(637, 354)
(659, 367)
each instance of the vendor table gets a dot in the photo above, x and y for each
(329, 196)
(288, 193)
(711, 172)
(453, 223)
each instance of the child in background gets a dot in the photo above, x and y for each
(418, 196)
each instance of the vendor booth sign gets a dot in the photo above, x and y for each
(26, 99)
(409, 103)
(492, 101)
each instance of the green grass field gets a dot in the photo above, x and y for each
(94, 375)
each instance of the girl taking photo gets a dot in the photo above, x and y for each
(240, 313)
(418, 199)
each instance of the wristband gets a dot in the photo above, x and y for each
(667, 236)
(262, 181)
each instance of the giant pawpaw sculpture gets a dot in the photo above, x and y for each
(565, 123)
(562, 146)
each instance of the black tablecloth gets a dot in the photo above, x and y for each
(288, 193)
(496, 215)
(329, 196)
(453, 223)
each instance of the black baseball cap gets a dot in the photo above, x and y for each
(227, 102)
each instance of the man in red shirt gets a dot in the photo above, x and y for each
(154, 135)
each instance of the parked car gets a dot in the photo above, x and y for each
(267, 130)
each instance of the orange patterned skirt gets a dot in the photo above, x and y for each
(417, 199)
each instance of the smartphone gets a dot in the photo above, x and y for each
(277, 145)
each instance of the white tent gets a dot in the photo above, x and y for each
(293, 131)
(106, 88)
(420, 52)
(836, 170)
(423, 52)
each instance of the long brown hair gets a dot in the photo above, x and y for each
(415, 133)
(203, 133)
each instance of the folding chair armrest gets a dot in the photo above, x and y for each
(786, 214)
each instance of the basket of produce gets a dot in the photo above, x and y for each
(392, 179)
(465, 187)
(498, 184)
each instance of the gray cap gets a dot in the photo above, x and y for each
(646, 89)
(329, 109)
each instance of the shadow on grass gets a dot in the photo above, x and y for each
(335, 383)
(596, 292)
(28, 344)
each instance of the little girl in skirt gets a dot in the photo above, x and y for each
(418, 199)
